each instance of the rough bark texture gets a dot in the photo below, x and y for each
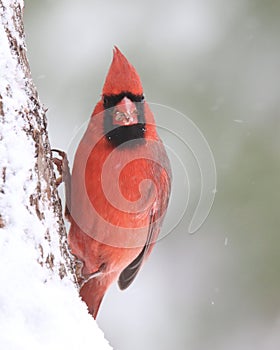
(26, 114)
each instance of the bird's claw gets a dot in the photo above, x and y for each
(83, 279)
(62, 166)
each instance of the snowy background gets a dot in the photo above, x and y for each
(218, 63)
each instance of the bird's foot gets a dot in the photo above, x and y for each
(85, 278)
(62, 166)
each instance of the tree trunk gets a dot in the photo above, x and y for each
(23, 120)
(38, 293)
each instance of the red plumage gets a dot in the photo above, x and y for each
(120, 186)
(121, 77)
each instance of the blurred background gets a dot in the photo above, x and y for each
(217, 62)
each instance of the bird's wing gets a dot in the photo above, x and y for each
(157, 213)
(129, 273)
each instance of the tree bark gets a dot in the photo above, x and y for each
(23, 119)
(40, 306)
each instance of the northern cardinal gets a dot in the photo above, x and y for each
(120, 186)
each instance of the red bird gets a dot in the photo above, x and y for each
(120, 186)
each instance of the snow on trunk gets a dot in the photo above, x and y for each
(39, 303)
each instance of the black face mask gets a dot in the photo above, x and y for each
(118, 135)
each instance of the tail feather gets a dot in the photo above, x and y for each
(92, 292)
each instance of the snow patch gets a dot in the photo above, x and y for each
(35, 314)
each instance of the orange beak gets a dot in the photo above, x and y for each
(125, 113)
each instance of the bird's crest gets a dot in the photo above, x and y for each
(122, 77)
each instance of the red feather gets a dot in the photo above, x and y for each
(122, 76)
(116, 213)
